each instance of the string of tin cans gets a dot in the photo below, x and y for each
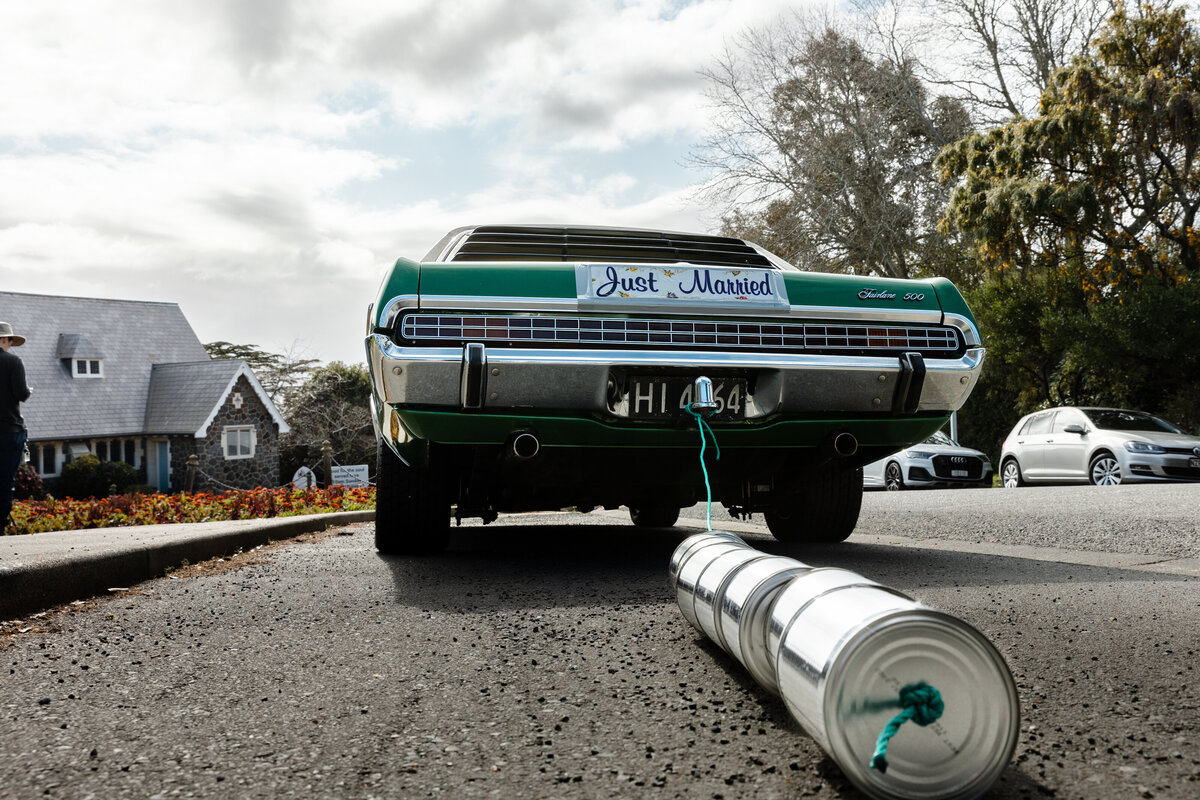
(909, 701)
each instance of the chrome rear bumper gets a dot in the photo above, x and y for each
(499, 379)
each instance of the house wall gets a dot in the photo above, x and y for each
(216, 472)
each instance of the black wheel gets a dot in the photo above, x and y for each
(1010, 474)
(1105, 470)
(412, 509)
(653, 516)
(824, 510)
(893, 477)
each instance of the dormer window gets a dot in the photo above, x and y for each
(88, 368)
(80, 355)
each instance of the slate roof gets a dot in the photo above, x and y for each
(184, 397)
(133, 337)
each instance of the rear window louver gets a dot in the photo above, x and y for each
(498, 243)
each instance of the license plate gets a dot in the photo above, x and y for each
(660, 398)
(958, 473)
(1194, 462)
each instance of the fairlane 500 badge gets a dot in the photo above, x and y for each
(681, 283)
(884, 294)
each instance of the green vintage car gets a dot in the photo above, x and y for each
(520, 368)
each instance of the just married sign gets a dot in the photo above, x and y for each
(681, 283)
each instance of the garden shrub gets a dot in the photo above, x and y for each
(29, 484)
(88, 476)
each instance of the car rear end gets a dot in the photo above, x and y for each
(585, 345)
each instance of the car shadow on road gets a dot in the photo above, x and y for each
(542, 566)
(530, 566)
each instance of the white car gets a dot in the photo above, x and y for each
(1102, 446)
(938, 461)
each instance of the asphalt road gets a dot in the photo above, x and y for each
(543, 656)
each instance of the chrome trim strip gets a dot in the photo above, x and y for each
(969, 331)
(573, 306)
(454, 245)
(396, 306)
(684, 358)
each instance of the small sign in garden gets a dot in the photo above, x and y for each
(304, 478)
(352, 477)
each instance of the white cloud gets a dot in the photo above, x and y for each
(217, 154)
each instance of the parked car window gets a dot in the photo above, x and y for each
(1065, 417)
(941, 438)
(1116, 420)
(1040, 423)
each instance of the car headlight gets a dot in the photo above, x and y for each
(1144, 447)
(918, 454)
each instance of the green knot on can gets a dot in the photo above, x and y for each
(922, 704)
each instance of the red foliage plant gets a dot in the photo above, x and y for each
(50, 514)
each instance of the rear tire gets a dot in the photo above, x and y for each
(412, 507)
(824, 510)
(653, 516)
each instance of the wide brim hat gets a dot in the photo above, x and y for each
(7, 331)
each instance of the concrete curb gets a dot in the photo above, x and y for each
(41, 570)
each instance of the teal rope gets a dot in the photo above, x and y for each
(922, 704)
(707, 486)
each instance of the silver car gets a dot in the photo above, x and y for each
(938, 461)
(1102, 446)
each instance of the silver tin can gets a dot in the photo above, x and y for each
(744, 610)
(692, 542)
(842, 661)
(710, 585)
(690, 568)
(798, 594)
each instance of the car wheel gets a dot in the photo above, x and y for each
(412, 511)
(1010, 474)
(653, 516)
(824, 510)
(893, 477)
(1105, 470)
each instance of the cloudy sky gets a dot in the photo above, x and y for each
(259, 162)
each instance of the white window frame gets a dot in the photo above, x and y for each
(88, 364)
(54, 450)
(137, 453)
(228, 429)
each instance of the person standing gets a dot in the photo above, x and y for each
(13, 392)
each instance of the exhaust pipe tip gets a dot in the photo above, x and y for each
(844, 445)
(524, 446)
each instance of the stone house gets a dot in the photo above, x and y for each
(129, 381)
